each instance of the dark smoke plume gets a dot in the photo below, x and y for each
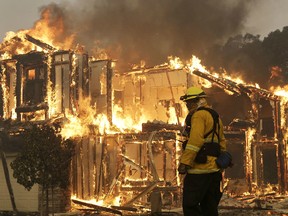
(151, 30)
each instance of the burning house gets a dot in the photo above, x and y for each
(128, 126)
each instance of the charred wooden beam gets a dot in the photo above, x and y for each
(109, 90)
(282, 168)
(151, 157)
(143, 193)
(39, 43)
(96, 207)
(137, 166)
(151, 126)
(139, 137)
(221, 82)
(235, 87)
(31, 108)
(263, 93)
(114, 181)
(237, 123)
(152, 70)
(234, 135)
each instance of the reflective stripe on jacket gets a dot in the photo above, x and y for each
(201, 123)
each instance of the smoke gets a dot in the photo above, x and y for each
(134, 30)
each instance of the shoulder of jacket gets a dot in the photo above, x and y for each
(201, 113)
(207, 112)
(205, 109)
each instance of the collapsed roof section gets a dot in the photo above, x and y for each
(236, 88)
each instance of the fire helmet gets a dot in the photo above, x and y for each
(193, 92)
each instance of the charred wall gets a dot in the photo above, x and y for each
(127, 165)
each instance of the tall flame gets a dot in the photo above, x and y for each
(51, 29)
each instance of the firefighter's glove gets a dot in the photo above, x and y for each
(182, 169)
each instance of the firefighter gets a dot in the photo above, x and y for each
(202, 183)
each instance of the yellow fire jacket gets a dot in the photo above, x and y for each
(201, 123)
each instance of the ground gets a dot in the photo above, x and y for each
(230, 205)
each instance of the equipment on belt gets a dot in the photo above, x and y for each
(224, 160)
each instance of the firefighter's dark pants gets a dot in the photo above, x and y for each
(201, 194)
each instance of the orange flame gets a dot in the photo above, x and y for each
(49, 28)
(175, 63)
